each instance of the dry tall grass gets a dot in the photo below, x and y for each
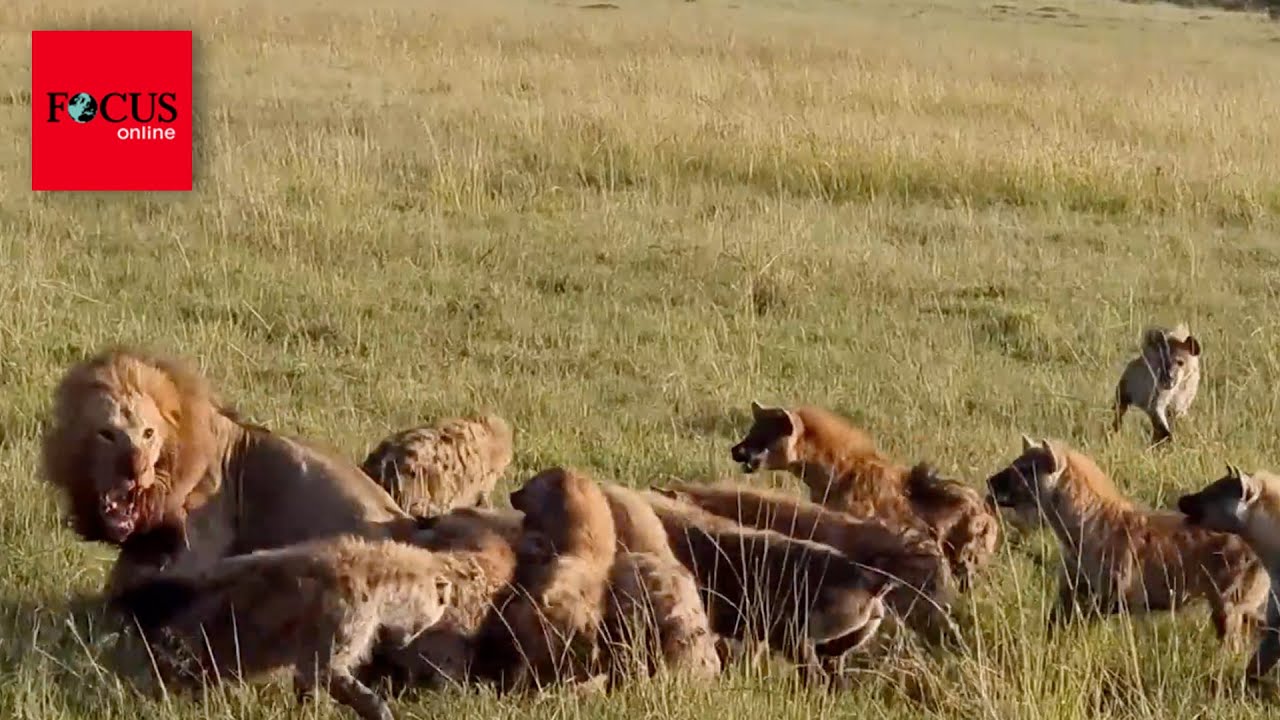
(617, 226)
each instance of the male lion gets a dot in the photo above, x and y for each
(148, 460)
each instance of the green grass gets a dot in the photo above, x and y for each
(946, 220)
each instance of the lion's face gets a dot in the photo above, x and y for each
(770, 442)
(125, 438)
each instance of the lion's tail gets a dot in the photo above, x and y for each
(155, 603)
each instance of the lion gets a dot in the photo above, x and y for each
(923, 597)
(802, 598)
(433, 469)
(147, 459)
(1247, 506)
(1118, 556)
(1163, 380)
(546, 627)
(318, 607)
(845, 472)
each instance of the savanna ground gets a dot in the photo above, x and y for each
(618, 226)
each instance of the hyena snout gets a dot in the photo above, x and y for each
(746, 456)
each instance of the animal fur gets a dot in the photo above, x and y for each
(432, 469)
(652, 593)
(802, 598)
(1163, 380)
(1247, 506)
(545, 629)
(845, 472)
(483, 544)
(147, 459)
(924, 595)
(1118, 556)
(317, 607)
(654, 620)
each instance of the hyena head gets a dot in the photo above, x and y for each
(1225, 505)
(770, 442)
(1173, 356)
(1020, 485)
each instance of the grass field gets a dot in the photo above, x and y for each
(616, 227)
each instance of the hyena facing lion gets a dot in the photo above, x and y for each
(545, 628)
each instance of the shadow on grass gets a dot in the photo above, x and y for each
(74, 654)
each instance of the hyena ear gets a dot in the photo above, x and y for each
(444, 590)
(1192, 345)
(1028, 443)
(1249, 488)
(756, 409)
(794, 425)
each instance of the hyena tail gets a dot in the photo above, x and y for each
(155, 603)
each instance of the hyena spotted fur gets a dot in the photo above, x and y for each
(1163, 380)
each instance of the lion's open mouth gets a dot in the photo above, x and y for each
(119, 512)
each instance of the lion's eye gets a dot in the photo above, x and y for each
(148, 433)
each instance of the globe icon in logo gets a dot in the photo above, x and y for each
(82, 108)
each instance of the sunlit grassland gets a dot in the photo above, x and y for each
(616, 227)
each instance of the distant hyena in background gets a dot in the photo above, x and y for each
(433, 469)
(1163, 380)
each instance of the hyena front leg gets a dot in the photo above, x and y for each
(1160, 426)
(1075, 597)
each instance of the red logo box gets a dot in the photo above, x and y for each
(111, 110)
